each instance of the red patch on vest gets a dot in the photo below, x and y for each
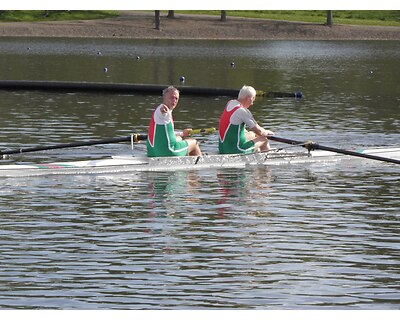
(225, 121)
(152, 130)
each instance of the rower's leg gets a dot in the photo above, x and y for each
(250, 135)
(193, 147)
(261, 144)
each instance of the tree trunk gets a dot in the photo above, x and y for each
(157, 19)
(329, 18)
(223, 15)
(171, 14)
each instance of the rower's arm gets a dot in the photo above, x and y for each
(261, 131)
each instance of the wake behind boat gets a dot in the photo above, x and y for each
(129, 163)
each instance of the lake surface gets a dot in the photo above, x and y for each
(300, 236)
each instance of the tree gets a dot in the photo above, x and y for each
(329, 18)
(157, 19)
(223, 15)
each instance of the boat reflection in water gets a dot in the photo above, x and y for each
(241, 188)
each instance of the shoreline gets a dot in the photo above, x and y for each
(140, 25)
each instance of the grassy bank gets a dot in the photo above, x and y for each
(359, 17)
(53, 15)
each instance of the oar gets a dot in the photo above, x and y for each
(198, 131)
(309, 145)
(134, 137)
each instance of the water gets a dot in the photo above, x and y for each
(301, 236)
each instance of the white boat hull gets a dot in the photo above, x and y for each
(121, 164)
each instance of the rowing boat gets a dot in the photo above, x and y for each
(130, 163)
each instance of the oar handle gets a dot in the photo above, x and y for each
(206, 130)
(309, 145)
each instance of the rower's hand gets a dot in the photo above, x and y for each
(164, 109)
(268, 133)
(187, 132)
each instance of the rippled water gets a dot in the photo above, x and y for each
(323, 236)
(300, 236)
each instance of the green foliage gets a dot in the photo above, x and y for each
(54, 15)
(358, 17)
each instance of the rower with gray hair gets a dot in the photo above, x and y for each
(163, 140)
(233, 135)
